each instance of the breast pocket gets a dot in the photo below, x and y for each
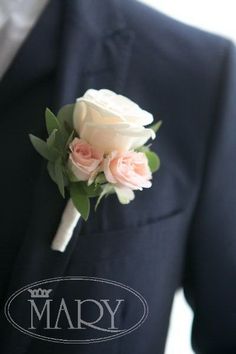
(143, 242)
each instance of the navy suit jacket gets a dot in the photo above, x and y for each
(182, 231)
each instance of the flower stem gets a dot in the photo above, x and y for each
(69, 220)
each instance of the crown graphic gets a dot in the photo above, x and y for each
(39, 293)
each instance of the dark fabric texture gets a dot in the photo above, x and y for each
(181, 232)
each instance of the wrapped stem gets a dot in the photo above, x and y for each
(69, 220)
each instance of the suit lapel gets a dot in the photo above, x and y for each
(94, 53)
(96, 49)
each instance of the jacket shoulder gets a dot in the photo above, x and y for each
(158, 33)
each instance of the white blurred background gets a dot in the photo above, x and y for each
(218, 17)
(211, 15)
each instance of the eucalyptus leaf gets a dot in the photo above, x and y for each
(71, 176)
(51, 170)
(60, 142)
(65, 117)
(100, 179)
(59, 177)
(71, 137)
(80, 199)
(92, 190)
(65, 177)
(51, 121)
(156, 126)
(43, 149)
(51, 139)
(153, 160)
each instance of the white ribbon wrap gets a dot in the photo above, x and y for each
(69, 220)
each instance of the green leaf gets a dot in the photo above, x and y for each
(71, 137)
(156, 126)
(71, 176)
(51, 121)
(92, 190)
(66, 179)
(80, 199)
(65, 117)
(51, 138)
(59, 176)
(153, 160)
(51, 170)
(100, 179)
(42, 148)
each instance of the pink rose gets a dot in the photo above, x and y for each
(84, 160)
(129, 169)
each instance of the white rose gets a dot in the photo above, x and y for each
(111, 122)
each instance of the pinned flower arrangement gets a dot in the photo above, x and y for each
(96, 147)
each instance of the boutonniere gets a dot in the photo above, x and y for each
(94, 148)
